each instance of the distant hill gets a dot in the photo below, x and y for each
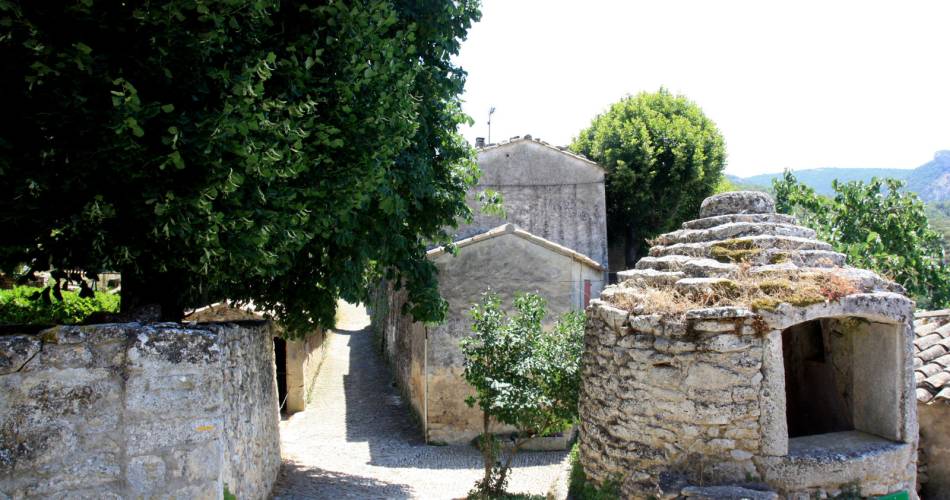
(931, 181)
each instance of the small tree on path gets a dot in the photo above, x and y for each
(524, 376)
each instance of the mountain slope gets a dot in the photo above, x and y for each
(931, 181)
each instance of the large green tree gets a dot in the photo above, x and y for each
(265, 150)
(879, 226)
(663, 157)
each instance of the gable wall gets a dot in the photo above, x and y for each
(506, 264)
(547, 193)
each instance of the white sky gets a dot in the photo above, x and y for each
(796, 84)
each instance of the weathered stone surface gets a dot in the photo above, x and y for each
(16, 351)
(737, 202)
(548, 192)
(726, 493)
(132, 411)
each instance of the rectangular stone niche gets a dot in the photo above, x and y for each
(842, 374)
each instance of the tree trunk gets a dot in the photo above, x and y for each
(631, 247)
(161, 289)
(487, 449)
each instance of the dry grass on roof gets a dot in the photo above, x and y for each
(762, 291)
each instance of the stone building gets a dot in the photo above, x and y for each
(548, 191)
(743, 359)
(932, 374)
(427, 359)
(554, 243)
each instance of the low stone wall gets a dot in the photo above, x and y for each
(132, 411)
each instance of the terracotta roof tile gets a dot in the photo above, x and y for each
(932, 356)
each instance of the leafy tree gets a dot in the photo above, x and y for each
(663, 157)
(265, 150)
(879, 226)
(524, 375)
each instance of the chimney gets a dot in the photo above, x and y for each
(479, 142)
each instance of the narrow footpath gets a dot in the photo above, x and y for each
(357, 439)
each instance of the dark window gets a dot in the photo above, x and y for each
(818, 373)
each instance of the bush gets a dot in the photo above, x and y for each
(581, 489)
(524, 375)
(25, 306)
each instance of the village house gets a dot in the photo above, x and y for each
(743, 359)
(932, 375)
(553, 241)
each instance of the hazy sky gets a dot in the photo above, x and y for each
(790, 84)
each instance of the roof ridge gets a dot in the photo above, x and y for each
(510, 228)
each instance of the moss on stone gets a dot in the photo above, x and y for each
(774, 286)
(735, 250)
(778, 258)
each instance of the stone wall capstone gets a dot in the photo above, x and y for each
(136, 411)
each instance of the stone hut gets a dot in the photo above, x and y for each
(427, 359)
(743, 359)
(932, 374)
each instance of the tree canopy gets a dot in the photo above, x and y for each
(265, 150)
(663, 157)
(879, 226)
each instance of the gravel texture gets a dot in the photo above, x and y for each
(357, 438)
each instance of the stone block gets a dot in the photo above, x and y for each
(144, 437)
(202, 462)
(727, 343)
(16, 351)
(145, 473)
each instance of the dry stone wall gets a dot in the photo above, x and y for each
(691, 393)
(133, 411)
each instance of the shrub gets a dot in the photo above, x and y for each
(524, 375)
(26, 305)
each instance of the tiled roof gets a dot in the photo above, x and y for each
(537, 240)
(932, 356)
(527, 138)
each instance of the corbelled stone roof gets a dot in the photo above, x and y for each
(738, 242)
(932, 356)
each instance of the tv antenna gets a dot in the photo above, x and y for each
(491, 111)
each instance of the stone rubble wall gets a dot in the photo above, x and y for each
(690, 393)
(133, 411)
(935, 448)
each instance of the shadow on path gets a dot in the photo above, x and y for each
(358, 438)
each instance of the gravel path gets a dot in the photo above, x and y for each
(357, 440)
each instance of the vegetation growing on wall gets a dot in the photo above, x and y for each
(265, 150)
(524, 375)
(879, 226)
(663, 157)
